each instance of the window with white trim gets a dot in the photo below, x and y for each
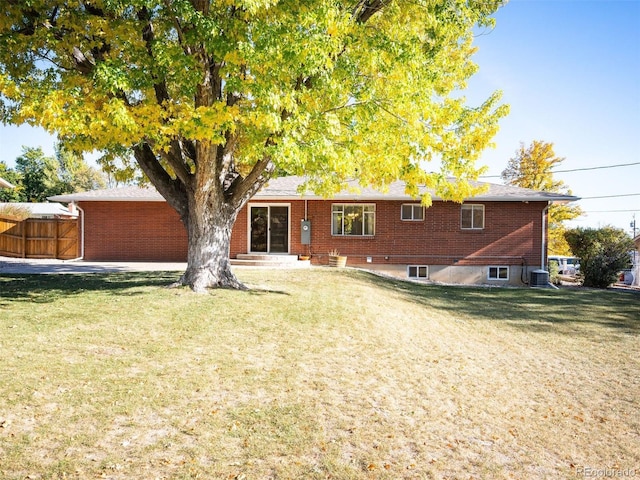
(498, 273)
(412, 212)
(472, 217)
(417, 271)
(350, 219)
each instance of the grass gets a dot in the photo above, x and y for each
(314, 374)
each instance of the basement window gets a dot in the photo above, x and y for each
(498, 273)
(417, 271)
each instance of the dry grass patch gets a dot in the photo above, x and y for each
(313, 374)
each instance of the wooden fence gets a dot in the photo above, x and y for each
(40, 238)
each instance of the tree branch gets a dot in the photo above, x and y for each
(241, 189)
(186, 48)
(176, 155)
(365, 9)
(175, 158)
(173, 191)
(148, 35)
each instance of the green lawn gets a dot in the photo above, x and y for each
(317, 373)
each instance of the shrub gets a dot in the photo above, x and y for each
(603, 253)
(14, 212)
(554, 272)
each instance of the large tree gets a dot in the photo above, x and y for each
(532, 167)
(213, 98)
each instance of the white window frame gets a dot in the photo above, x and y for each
(418, 268)
(371, 214)
(474, 207)
(497, 277)
(415, 207)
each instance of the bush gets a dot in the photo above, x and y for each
(554, 272)
(603, 253)
(14, 212)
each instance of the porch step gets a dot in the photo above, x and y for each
(269, 260)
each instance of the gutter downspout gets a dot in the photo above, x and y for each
(543, 252)
(81, 257)
(544, 242)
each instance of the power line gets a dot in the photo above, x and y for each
(611, 196)
(603, 167)
(597, 168)
(610, 211)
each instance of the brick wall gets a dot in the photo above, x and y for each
(512, 232)
(152, 231)
(133, 231)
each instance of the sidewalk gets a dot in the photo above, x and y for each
(49, 266)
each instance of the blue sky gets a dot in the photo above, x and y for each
(570, 70)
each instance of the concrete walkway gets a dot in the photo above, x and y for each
(49, 266)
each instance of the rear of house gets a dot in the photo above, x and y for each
(495, 238)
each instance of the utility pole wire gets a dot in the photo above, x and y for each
(609, 211)
(603, 167)
(611, 196)
(596, 168)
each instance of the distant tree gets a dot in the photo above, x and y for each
(75, 174)
(39, 174)
(531, 167)
(603, 253)
(13, 177)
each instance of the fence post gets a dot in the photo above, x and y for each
(24, 238)
(55, 239)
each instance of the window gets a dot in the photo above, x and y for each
(353, 219)
(498, 273)
(411, 211)
(417, 271)
(472, 217)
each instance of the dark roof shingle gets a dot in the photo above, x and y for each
(287, 188)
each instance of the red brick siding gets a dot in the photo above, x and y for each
(512, 230)
(133, 231)
(152, 231)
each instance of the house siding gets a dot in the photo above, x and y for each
(152, 231)
(133, 231)
(512, 232)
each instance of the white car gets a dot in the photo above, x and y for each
(566, 265)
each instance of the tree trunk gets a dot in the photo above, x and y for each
(208, 211)
(209, 225)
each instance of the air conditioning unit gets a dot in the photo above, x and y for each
(539, 278)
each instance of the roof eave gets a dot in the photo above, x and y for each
(381, 197)
(75, 198)
(561, 199)
(110, 199)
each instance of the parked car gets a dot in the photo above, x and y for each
(626, 277)
(566, 265)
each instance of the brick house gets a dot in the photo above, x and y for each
(496, 238)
